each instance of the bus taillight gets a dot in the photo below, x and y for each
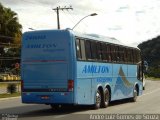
(70, 85)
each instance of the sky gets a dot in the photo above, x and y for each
(130, 21)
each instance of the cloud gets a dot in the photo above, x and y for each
(127, 20)
(115, 28)
(140, 12)
(122, 8)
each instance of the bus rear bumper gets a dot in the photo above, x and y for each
(48, 98)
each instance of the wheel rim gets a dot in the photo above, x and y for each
(98, 98)
(106, 97)
(135, 94)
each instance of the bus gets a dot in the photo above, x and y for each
(62, 67)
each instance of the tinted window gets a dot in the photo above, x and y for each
(121, 54)
(108, 52)
(78, 49)
(138, 56)
(128, 55)
(113, 52)
(94, 50)
(99, 51)
(104, 51)
(125, 55)
(83, 54)
(134, 56)
(88, 50)
(117, 53)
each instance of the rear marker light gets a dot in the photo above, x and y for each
(70, 85)
(45, 97)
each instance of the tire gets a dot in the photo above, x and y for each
(55, 107)
(106, 98)
(98, 100)
(134, 98)
(143, 88)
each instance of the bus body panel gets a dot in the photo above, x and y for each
(41, 76)
(120, 78)
(47, 97)
(47, 66)
(84, 83)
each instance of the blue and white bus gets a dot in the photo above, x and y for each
(62, 67)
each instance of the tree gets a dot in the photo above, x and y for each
(10, 28)
(10, 35)
(151, 53)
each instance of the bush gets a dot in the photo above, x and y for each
(11, 88)
(154, 72)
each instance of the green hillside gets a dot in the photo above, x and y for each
(151, 53)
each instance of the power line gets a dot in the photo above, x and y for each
(70, 18)
(77, 19)
(57, 11)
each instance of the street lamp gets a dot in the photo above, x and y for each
(31, 28)
(93, 14)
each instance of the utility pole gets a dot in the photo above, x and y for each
(57, 10)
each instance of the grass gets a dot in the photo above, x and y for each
(10, 95)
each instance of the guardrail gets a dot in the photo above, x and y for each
(9, 77)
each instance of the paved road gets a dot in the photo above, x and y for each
(149, 103)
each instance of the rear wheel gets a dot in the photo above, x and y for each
(106, 100)
(98, 100)
(56, 107)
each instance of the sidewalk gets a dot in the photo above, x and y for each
(9, 98)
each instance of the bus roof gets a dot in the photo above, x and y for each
(102, 39)
(90, 36)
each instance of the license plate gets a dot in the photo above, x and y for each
(45, 97)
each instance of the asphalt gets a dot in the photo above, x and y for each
(148, 103)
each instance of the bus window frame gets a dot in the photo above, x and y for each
(104, 49)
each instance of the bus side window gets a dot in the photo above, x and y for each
(117, 54)
(139, 56)
(88, 50)
(135, 56)
(104, 52)
(128, 55)
(121, 54)
(83, 54)
(108, 52)
(78, 49)
(113, 53)
(99, 51)
(94, 50)
(132, 55)
(125, 55)
(140, 71)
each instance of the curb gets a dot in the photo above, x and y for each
(9, 98)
